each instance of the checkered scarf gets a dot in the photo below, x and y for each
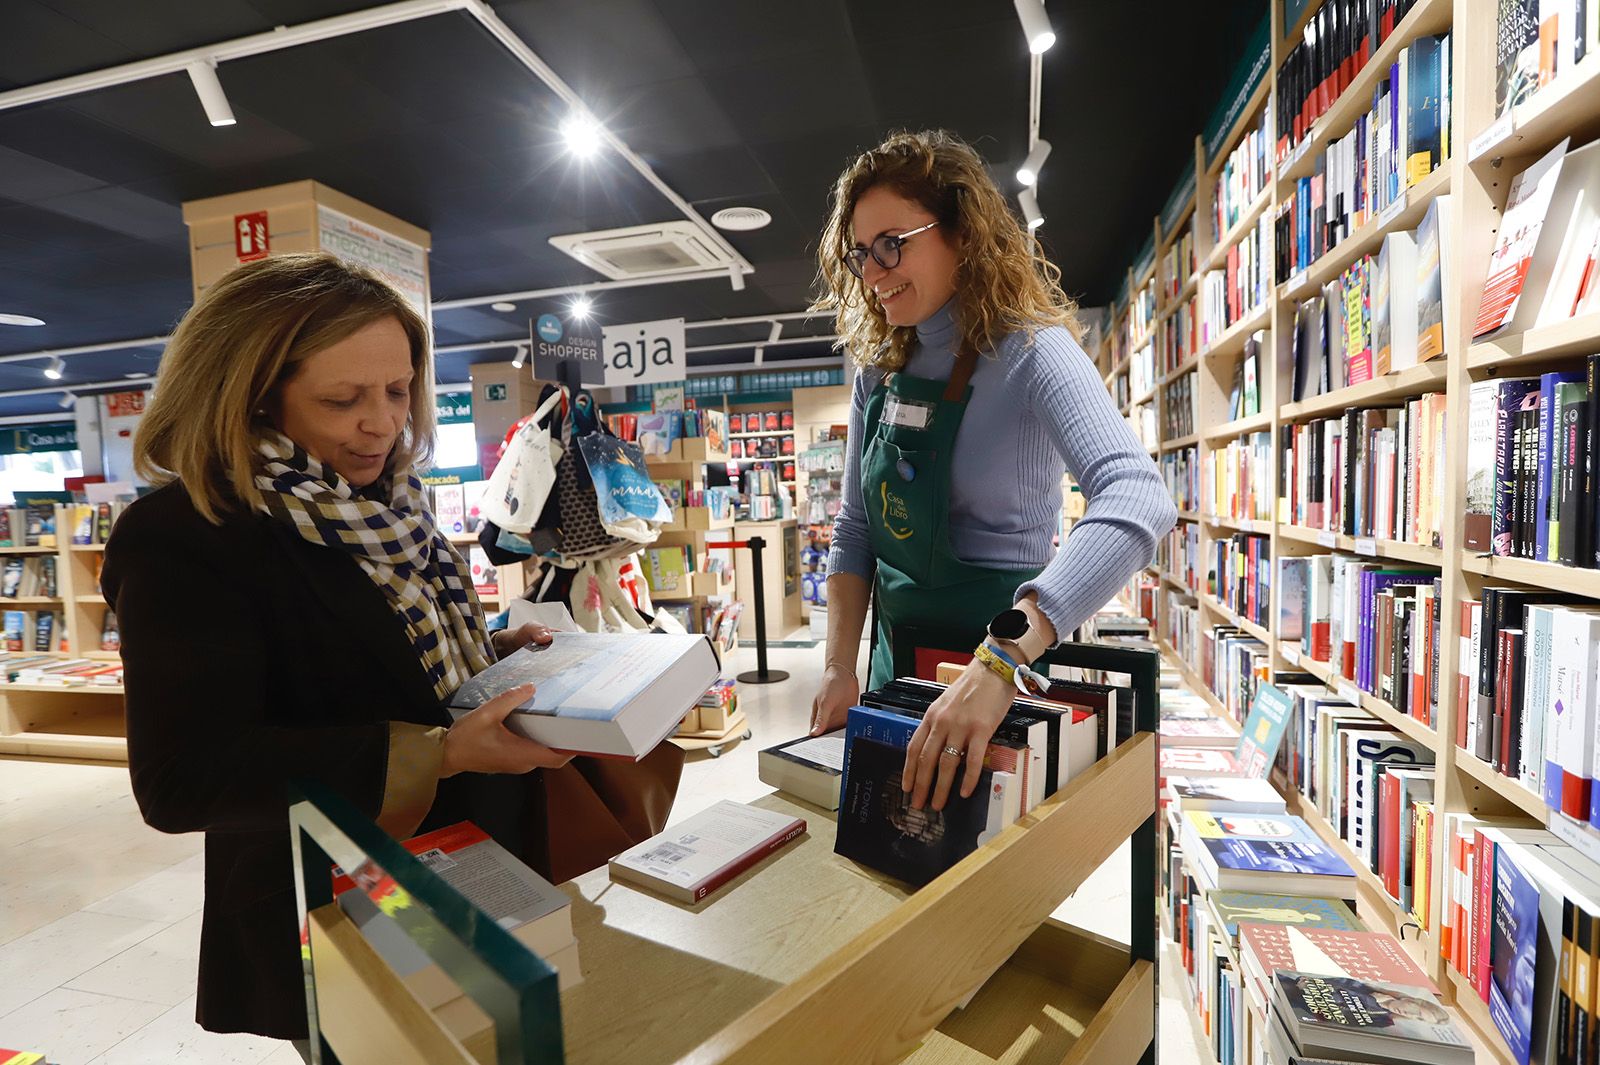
(397, 546)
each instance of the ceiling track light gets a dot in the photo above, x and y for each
(1028, 172)
(53, 369)
(203, 73)
(1030, 209)
(736, 277)
(69, 401)
(1035, 25)
(581, 307)
(521, 356)
(582, 134)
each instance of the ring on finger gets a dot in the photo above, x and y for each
(954, 752)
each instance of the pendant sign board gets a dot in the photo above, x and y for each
(558, 338)
(645, 353)
(250, 238)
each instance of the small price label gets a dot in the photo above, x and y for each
(1347, 691)
(1491, 137)
(1391, 212)
(1366, 545)
(1326, 538)
(1291, 654)
(1297, 280)
(1301, 149)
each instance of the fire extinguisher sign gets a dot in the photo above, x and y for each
(250, 240)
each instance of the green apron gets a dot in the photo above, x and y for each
(910, 437)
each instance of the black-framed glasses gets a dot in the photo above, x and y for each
(885, 249)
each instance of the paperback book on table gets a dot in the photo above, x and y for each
(810, 768)
(617, 694)
(1264, 852)
(700, 854)
(1367, 1020)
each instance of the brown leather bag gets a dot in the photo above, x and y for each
(596, 808)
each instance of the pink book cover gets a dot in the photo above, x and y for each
(1333, 952)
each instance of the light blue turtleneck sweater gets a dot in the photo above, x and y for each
(1038, 408)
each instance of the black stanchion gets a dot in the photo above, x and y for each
(761, 674)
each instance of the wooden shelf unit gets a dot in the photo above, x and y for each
(1485, 155)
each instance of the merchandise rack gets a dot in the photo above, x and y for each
(1485, 154)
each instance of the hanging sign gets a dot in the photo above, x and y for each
(29, 439)
(559, 337)
(399, 262)
(645, 352)
(453, 408)
(250, 241)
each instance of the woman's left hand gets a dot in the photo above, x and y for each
(964, 718)
(507, 641)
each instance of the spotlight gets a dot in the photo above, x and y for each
(1035, 25)
(736, 277)
(582, 135)
(53, 370)
(503, 307)
(68, 401)
(580, 308)
(1028, 172)
(206, 86)
(1030, 209)
(521, 356)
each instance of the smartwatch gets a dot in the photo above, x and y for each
(1009, 625)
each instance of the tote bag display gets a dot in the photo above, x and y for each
(523, 479)
(631, 506)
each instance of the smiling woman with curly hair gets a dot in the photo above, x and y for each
(973, 398)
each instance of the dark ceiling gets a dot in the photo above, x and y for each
(733, 102)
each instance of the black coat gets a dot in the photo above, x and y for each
(253, 657)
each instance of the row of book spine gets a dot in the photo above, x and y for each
(1179, 555)
(1178, 265)
(1177, 413)
(1236, 479)
(1244, 176)
(1181, 470)
(1336, 43)
(1239, 288)
(1370, 472)
(1240, 575)
(1180, 335)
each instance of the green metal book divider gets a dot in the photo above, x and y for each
(511, 984)
(1144, 667)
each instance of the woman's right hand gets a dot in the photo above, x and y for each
(479, 741)
(839, 692)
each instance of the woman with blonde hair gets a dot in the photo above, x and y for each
(972, 398)
(290, 611)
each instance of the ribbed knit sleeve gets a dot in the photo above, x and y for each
(851, 550)
(1129, 508)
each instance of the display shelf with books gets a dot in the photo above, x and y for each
(1513, 792)
(1551, 575)
(1373, 705)
(1399, 384)
(1578, 335)
(1363, 545)
(1567, 104)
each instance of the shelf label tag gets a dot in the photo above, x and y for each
(1326, 538)
(1291, 654)
(1347, 690)
(1366, 545)
(1576, 835)
(1391, 212)
(1497, 131)
(1296, 281)
(1302, 148)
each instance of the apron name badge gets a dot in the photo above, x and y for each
(907, 414)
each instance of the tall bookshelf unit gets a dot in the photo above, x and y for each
(1485, 155)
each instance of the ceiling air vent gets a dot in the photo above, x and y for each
(645, 251)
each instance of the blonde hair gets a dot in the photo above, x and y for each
(246, 336)
(1004, 283)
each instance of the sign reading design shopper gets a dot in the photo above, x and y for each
(29, 439)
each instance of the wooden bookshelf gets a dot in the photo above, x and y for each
(1485, 155)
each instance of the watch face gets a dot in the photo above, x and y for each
(1008, 625)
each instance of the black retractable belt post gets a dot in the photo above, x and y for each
(761, 674)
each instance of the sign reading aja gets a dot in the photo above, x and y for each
(644, 352)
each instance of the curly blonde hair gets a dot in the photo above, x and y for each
(1004, 283)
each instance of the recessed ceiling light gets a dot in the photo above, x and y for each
(20, 319)
(135, 375)
(582, 135)
(503, 307)
(740, 219)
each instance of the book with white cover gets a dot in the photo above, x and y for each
(1511, 263)
(1239, 795)
(1571, 224)
(617, 694)
(809, 768)
(696, 856)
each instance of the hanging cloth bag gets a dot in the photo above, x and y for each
(526, 473)
(582, 535)
(631, 506)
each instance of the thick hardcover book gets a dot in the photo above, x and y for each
(1567, 473)
(607, 694)
(809, 768)
(1374, 1020)
(879, 828)
(1511, 397)
(695, 857)
(1267, 852)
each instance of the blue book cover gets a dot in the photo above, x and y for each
(1547, 429)
(1512, 950)
(1263, 732)
(1275, 843)
(881, 726)
(1373, 582)
(1509, 399)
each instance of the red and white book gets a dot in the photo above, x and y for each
(1519, 231)
(1196, 762)
(693, 858)
(1268, 948)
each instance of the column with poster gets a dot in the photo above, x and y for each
(120, 413)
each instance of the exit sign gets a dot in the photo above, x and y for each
(494, 391)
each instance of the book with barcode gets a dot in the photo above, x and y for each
(693, 858)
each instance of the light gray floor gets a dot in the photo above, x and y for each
(99, 914)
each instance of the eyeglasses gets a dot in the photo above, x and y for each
(885, 249)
